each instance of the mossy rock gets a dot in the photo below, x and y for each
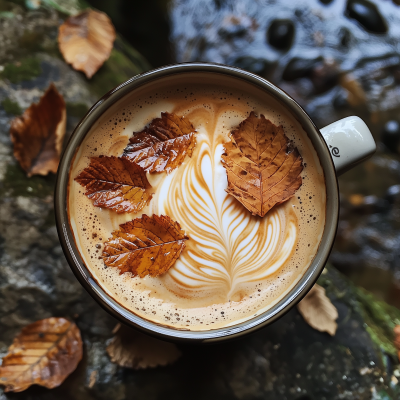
(31, 58)
(24, 70)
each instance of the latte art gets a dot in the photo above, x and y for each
(235, 265)
(228, 247)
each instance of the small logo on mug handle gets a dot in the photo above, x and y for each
(334, 151)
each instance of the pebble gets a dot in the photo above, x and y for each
(344, 37)
(340, 101)
(300, 67)
(367, 15)
(257, 65)
(324, 76)
(391, 135)
(280, 34)
(393, 193)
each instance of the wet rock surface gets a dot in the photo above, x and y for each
(343, 59)
(288, 360)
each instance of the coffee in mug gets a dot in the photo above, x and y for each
(235, 265)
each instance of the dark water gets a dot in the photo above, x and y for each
(336, 58)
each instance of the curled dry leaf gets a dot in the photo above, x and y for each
(163, 145)
(145, 246)
(44, 353)
(318, 311)
(396, 331)
(86, 40)
(263, 168)
(38, 134)
(132, 349)
(115, 183)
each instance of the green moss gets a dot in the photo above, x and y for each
(380, 319)
(16, 182)
(11, 107)
(67, 7)
(77, 110)
(25, 70)
(6, 14)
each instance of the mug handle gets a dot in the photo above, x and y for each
(349, 141)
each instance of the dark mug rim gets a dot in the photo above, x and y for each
(164, 332)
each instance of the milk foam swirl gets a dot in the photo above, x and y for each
(228, 247)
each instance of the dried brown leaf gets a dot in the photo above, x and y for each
(92, 379)
(163, 145)
(86, 40)
(132, 349)
(145, 246)
(318, 311)
(38, 134)
(115, 183)
(44, 353)
(263, 168)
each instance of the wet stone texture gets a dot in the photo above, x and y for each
(336, 58)
(288, 360)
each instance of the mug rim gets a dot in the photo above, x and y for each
(164, 332)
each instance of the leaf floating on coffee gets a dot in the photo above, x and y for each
(44, 353)
(115, 183)
(318, 311)
(86, 41)
(132, 349)
(145, 246)
(263, 168)
(163, 145)
(38, 134)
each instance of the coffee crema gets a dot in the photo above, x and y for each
(235, 265)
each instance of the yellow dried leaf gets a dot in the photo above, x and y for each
(262, 166)
(318, 311)
(86, 40)
(44, 353)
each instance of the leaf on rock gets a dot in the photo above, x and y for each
(145, 246)
(132, 349)
(115, 183)
(163, 145)
(86, 40)
(262, 166)
(396, 331)
(38, 134)
(318, 311)
(44, 353)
